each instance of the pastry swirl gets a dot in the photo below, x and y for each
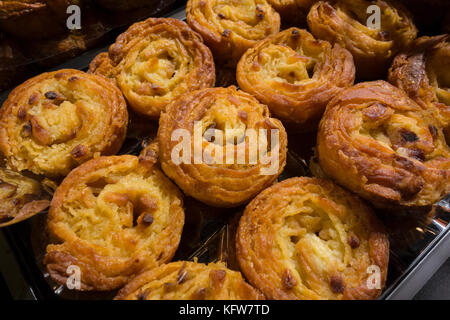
(424, 74)
(113, 217)
(184, 280)
(57, 120)
(216, 119)
(306, 238)
(159, 59)
(295, 75)
(380, 144)
(229, 28)
(345, 22)
(102, 66)
(20, 197)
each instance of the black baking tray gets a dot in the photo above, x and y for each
(419, 244)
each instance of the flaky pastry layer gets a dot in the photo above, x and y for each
(184, 280)
(296, 75)
(347, 22)
(229, 28)
(58, 120)
(228, 113)
(308, 239)
(157, 60)
(377, 142)
(113, 217)
(424, 74)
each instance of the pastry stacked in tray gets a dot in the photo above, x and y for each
(35, 34)
(382, 142)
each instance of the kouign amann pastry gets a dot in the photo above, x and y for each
(113, 217)
(296, 75)
(159, 59)
(374, 140)
(424, 74)
(347, 22)
(306, 238)
(20, 197)
(229, 28)
(58, 120)
(184, 280)
(199, 128)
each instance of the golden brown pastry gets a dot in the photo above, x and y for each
(34, 19)
(424, 74)
(292, 12)
(380, 144)
(113, 217)
(306, 238)
(345, 22)
(159, 59)
(296, 75)
(229, 28)
(57, 120)
(184, 280)
(20, 197)
(102, 66)
(210, 121)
